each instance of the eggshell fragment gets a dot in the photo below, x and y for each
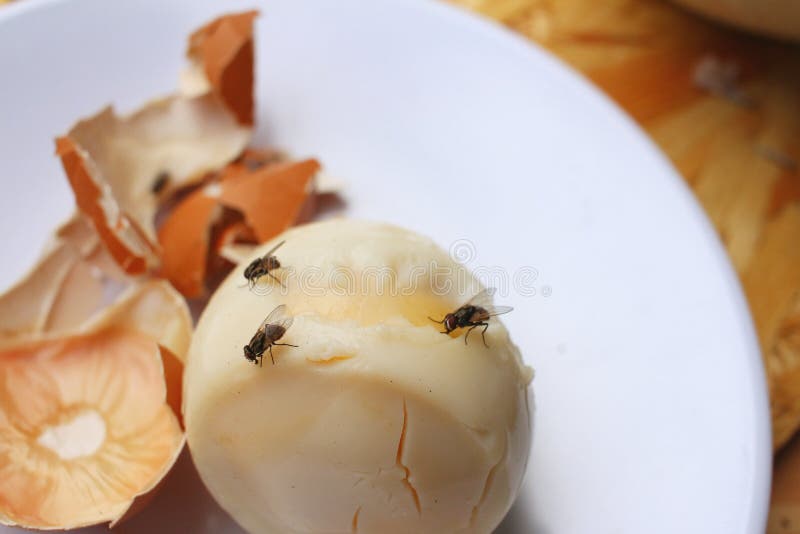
(271, 198)
(25, 307)
(67, 293)
(121, 167)
(184, 243)
(81, 296)
(232, 234)
(79, 233)
(74, 280)
(85, 426)
(91, 357)
(90, 409)
(268, 196)
(63, 295)
(223, 51)
(113, 163)
(93, 197)
(154, 308)
(93, 281)
(237, 242)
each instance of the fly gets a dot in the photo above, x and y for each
(476, 312)
(263, 266)
(269, 332)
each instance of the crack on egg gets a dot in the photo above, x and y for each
(487, 485)
(400, 447)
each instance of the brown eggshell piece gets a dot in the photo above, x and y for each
(124, 243)
(184, 239)
(224, 50)
(120, 167)
(271, 198)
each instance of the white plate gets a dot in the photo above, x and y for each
(651, 406)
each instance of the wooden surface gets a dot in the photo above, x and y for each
(725, 108)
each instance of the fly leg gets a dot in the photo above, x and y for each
(483, 333)
(471, 328)
(439, 322)
(276, 279)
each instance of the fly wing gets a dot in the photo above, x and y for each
(498, 310)
(484, 300)
(273, 249)
(280, 317)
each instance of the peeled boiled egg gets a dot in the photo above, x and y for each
(373, 421)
